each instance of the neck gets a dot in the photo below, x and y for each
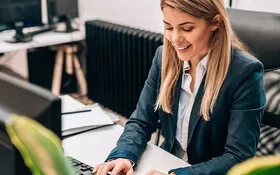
(194, 62)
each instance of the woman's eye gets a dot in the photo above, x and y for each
(168, 28)
(187, 29)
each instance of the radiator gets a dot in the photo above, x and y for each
(118, 62)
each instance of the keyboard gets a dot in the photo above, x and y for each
(80, 167)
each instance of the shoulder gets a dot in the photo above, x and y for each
(244, 70)
(244, 65)
(158, 56)
(159, 50)
(243, 61)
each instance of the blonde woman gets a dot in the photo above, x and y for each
(206, 90)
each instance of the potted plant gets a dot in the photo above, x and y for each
(40, 148)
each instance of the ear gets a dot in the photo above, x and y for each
(216, 21)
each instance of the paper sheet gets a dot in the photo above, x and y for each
(69, 104)
(77, 122)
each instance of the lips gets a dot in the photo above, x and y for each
(183, 47)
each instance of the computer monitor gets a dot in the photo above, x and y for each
(20, 97)
(18, 14)
(63, 11)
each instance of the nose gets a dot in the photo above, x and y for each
(177, 37)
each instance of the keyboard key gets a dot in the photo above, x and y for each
(80, 167)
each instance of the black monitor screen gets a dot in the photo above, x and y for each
(17, 14)
(58, 9)
(20, 97)
(25, 13)
(62, 11)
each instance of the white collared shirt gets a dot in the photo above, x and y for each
(186, 101)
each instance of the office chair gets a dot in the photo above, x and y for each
(260, 31)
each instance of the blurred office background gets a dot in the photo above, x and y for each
(144, 14)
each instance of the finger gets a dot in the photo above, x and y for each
(117, 169)
(149, 172)
(130, 171)
(96, 168)
(100, 169)
(108, 166)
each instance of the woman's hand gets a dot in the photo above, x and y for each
(155, 172)
(116, 167)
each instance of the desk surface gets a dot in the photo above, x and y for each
(40, 40)
(93, 147)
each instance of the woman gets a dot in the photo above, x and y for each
(206, 90)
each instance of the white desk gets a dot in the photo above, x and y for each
(94, 146)
(40, 40)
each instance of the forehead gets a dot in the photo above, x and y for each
(174, 16)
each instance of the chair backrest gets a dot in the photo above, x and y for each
(260, 31)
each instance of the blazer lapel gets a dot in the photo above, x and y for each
(175, 105)
(174, 109)
(195, 110)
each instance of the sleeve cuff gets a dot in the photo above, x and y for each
(123, 154)
(179, 171)
(132, 163)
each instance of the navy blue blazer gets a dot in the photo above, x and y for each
(214, 146)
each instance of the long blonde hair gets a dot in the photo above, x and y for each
(219, 54)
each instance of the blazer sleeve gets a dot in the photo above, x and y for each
(143, 121)
(244, 124)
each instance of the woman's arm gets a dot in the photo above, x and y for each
(143, 121)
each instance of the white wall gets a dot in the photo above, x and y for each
(16, 61)
(258, 5)
(146, 14)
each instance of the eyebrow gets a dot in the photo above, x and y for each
(179, 24)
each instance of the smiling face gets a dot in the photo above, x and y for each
(188, 35)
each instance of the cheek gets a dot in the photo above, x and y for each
(201, 38)
(168, 35)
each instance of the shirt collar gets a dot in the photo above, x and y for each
(186, 66)
(203, 62)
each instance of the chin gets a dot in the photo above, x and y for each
(183, 57)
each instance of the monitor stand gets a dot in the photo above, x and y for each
(19, 36)
(68, 25)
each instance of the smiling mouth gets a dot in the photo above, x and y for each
(183, 48)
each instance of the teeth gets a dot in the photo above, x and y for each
(182, 48)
